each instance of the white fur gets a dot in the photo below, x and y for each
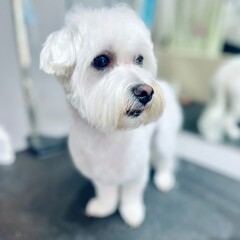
(222, 114)
(107, 146)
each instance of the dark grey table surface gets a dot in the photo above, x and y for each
(45, 200)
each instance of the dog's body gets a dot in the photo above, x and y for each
(119, 160)
(118, 157)
(222, 114)
(108, 72)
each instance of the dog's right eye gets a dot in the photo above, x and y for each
(101, 62)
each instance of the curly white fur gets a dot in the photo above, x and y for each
(107, 145)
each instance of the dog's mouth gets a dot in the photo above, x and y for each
(136, 109)
(134, 112)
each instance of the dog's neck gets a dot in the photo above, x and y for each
(78, 123)
(80, 126)
(85, 134)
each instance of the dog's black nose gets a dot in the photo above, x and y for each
(143, 92)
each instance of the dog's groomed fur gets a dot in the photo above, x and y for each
(104, 60)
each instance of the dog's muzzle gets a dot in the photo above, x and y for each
(143, 94)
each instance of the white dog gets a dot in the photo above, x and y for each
(222, 114)
(104, 60)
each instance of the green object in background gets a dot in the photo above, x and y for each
(198, 27)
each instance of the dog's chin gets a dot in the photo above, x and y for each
(131, 119)
(136, 117)
(134, 113)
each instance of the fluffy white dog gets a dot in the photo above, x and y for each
(222, 114)
(104, 59)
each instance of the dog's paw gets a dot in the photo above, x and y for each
(164, 181)
(98, 208)
(133, 214)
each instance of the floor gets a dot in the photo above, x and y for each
(45, 199)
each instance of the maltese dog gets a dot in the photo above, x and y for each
(222, 114)
(105, 62)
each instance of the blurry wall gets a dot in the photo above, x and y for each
(50, 103)
(12, 111)
(191, 75)
(191, 36)
(49, 99)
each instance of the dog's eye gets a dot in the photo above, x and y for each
(139, 60)
(101, 62)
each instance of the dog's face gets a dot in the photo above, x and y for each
(105, 62)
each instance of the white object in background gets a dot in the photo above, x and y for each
(7, 155)
(220, 158)
(222, 114)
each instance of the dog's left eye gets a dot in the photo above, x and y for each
(101, 62)
(139, 60)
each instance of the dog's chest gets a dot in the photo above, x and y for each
(111, 158)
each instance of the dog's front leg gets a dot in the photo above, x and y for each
(105, 202)
(165, 162)
(132, 207)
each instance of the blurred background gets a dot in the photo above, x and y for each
(194, 40)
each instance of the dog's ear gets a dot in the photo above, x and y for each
(58, 55)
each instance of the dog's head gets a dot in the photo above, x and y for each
(105, 62)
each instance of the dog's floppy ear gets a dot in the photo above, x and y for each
(58, 54)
